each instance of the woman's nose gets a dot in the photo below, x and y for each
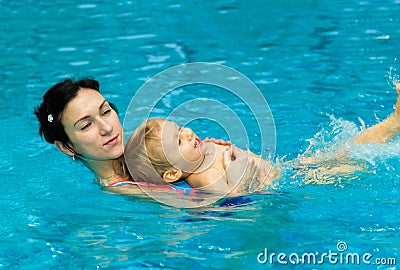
(105, 127)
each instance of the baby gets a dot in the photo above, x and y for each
(161, 152)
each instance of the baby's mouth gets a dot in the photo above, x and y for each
(197, 143)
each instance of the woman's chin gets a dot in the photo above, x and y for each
(117, 153)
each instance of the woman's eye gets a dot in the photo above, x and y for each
(108, 111)
(86, 126)
(179, 141)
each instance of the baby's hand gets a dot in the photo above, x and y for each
(265, 174)
(240, 167)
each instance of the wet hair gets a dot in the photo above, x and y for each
(143, 153)
(55, 100)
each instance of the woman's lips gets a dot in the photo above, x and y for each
(112, 142)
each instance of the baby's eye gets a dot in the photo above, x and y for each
(179, 135)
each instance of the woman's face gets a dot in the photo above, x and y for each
(93, 126)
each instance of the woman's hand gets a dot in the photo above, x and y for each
(218, 141)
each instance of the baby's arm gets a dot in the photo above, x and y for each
(211, 180)
(385, 130)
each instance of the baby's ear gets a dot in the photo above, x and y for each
(172, 175)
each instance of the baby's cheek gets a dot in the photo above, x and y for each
(195, 155)
(186, 153)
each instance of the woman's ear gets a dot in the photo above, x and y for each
(172, 175)
(63, 148)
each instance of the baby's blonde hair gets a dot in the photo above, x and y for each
(144, 154)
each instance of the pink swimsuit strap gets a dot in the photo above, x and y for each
(121, 183)
(130, 182)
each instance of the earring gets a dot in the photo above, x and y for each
(73, 157)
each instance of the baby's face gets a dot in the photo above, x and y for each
(183, 149)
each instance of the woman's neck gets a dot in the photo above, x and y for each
(108, 171)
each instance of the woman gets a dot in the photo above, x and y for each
(82, 124)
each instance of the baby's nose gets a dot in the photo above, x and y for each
(187, 134)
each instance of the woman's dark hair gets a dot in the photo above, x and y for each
(55, 100)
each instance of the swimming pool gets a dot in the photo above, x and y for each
(320, 64)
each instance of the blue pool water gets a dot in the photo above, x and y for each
(322, 65)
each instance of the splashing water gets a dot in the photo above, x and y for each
(332, 157)
(392, 76)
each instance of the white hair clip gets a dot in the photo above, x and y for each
(50, 118)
